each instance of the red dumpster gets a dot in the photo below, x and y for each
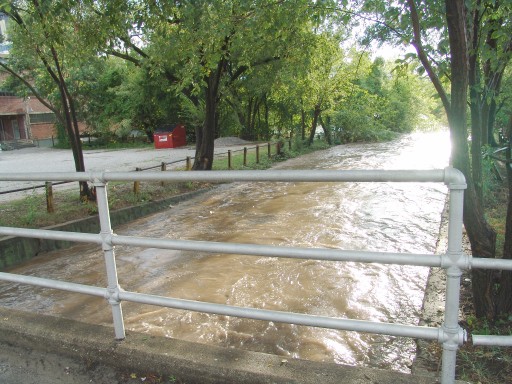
(170, 136)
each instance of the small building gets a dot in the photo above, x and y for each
(24, 119)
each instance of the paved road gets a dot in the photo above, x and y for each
(61, 160)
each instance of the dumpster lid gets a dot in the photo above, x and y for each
(167, 128)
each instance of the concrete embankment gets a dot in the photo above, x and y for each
(15, 250)
(94, 345)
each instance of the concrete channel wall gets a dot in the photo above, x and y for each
(15, 250)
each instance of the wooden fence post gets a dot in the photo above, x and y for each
(163, 168)
(229, 159)
(136, 184)
(278, 148)
(188, 166)
(257, 154)
(245, 156)
(268, 148)
(49, 197)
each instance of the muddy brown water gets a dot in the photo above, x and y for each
(374, 216)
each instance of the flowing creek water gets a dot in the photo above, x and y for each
(373, 216)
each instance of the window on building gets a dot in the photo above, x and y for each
(38, 118)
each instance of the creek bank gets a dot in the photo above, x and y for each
(429, 352)
(15, 250)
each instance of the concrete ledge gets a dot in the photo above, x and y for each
(190, 362)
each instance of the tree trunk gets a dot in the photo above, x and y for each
(492, 78)
(475, 104)
(71, 124)
(316, 115)
(267, 114)
(481, 235)
(327, 130)
(504, 302)
(491, 118)
(303, 124)
(205, 147)
(205, 140)
(255, 115)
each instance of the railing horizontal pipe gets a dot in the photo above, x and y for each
(285, 317)
(501, 341)
(285, 252)
(55, 284)
(485, 263)
(228, 176)
(424, 260)
(228, 310)
(46, 176)
(51, 235)
(31, 188)
(297, 176)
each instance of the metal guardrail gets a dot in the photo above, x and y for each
(454, 261)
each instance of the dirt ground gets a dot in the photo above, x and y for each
(22, 366)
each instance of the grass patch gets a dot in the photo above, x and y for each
(482, 364)
(30, 212)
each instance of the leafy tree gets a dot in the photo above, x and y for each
(449, 45)
(42, 55)
(327, 82)
(204, 47)
(118, 97)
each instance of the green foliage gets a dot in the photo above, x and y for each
(489, 177)
(33, 202)
(486, 365)
(277, 63)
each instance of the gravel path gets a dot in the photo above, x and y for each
(61, 160)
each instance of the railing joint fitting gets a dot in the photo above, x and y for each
(106, 240)
(97, 179)
(112, 295)
(454, 179)
(460, 260)
(452, 338)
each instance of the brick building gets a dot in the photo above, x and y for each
(24, 119)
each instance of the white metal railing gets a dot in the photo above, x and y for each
(454, 261)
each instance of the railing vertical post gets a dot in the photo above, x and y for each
(453, 334)
(229, 159)
(163, 168)
(257, 154)
(136, 184)
(245, 156)
(110, 260)
(49, 197)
